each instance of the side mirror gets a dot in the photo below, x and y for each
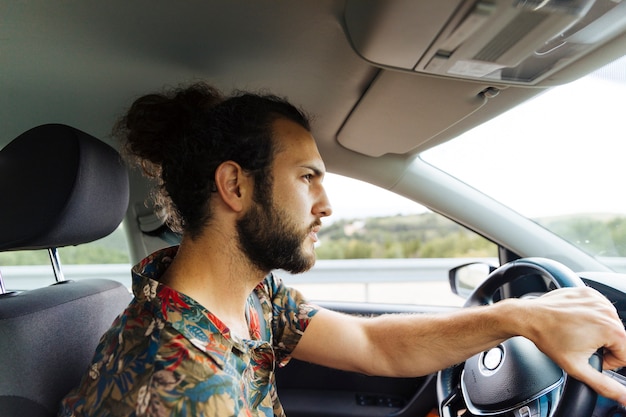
(465, 278)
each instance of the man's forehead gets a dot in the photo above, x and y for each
(296, 144)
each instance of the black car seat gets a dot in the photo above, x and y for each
(58, 186)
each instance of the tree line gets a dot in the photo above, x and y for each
(426, 235)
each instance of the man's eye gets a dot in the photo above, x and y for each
(308, 177)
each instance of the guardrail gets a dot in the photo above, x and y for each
(324, 271)
(415, 281)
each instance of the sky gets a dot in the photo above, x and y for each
(350, 198)
(566, 149)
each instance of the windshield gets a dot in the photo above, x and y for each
(558, 159)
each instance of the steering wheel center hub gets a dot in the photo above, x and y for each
(508, 376)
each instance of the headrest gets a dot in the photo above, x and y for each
(58, 187)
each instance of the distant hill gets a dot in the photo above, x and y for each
(600, 234)
(429, 235)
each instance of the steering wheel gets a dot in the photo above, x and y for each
(515, 378)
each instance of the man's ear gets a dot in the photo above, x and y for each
(232, 184)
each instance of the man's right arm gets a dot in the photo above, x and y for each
(568, 325)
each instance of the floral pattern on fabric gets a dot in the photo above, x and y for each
(166, 355)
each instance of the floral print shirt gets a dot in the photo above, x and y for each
(166, 355)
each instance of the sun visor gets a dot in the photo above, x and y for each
(398, 112)
(508, 41)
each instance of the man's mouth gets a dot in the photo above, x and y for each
(313, 233)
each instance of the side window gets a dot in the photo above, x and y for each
(105, 258)
(380, 247)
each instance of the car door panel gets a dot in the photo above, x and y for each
(308, 390)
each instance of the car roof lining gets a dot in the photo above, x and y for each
(88, 61)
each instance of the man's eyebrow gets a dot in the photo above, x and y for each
(316, 170)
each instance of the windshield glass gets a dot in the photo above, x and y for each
(558, 159)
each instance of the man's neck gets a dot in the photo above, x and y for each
(218, 276)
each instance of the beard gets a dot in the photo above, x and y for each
(271, 241)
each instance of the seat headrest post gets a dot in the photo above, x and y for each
(55, 259)
(3, 289)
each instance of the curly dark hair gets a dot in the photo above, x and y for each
(179, 137)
